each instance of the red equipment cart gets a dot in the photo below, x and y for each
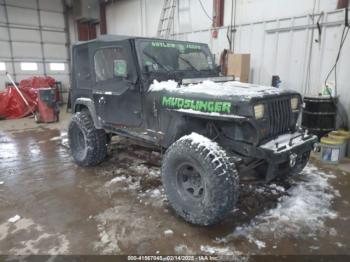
(48, 108)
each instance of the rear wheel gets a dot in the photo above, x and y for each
(200, 182)
(87, 144)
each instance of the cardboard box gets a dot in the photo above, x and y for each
(238, 65)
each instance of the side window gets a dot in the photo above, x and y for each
(82, 65)
(110, 63)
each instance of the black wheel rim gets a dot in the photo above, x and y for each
(190, 182)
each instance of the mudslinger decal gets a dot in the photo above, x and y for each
(197, 105)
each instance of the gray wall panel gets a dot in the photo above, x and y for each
(3, 80)
(26, 50)
(2, 14)
(56, 37)
(52, 5)
(5, 49)
(25, 35)
(22, 3)
(55, 51)
(52, 19)
(22, 16)
(3, 33)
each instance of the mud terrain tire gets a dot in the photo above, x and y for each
(87, 144)
(213, 195)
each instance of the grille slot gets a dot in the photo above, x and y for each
(280, 114)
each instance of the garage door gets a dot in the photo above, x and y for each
(33, 40)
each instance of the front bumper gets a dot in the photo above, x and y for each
(280, 149)
(287, 149)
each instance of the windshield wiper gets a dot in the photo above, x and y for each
(156, 60)
(189, 63)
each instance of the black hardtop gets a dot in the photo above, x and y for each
(116, 38)
(105, 38)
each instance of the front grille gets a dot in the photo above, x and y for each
(280, 116)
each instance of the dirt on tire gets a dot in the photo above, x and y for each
(92, 147)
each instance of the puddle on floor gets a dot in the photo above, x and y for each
(119, 207)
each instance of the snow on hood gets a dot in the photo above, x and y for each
(230, 88)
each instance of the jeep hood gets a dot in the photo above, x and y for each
(213, 99)
(231, 91)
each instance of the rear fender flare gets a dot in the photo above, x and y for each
(90, 105)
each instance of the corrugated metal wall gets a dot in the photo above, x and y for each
(282, 47)
(278, 34)
(33, 31)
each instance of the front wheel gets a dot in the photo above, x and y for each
(87, 144)
(200, 182)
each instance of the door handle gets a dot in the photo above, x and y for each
(102, 100)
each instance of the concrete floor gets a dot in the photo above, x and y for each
(119, 207)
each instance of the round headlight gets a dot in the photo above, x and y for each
(294, 103)
(259, 111)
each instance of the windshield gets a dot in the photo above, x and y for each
(170, 56)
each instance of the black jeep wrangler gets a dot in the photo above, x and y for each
(215, 130)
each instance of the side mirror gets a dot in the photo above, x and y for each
(149, 68)
(120, 68)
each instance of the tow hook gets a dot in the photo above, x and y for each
(292, 160)
(317, 147)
